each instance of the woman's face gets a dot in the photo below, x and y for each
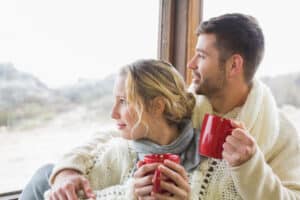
(125, 114)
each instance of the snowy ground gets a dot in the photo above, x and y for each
(23, 152)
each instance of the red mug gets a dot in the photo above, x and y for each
(213, 133)
(158, 158)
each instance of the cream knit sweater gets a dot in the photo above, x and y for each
(272, 173)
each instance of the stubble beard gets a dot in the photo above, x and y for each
(211, 86)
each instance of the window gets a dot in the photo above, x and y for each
(56, 64)
(279, 23)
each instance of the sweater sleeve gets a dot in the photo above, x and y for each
(276, 178)
(81, 158)
(116, 192)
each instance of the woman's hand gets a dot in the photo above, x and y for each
(67, 184)
(143, 181)
(177, 185)
(239, 147)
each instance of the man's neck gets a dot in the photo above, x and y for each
(231, 97)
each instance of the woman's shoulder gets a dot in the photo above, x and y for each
(119, 141)
(120, 152)
(116, 144)
(111, 148)
(115, 151)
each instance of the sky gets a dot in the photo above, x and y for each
(63, 41)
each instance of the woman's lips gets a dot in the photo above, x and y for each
(121, 126)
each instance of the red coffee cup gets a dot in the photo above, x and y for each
(213, 133)
(158, 158)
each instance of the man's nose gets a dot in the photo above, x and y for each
(192, 64)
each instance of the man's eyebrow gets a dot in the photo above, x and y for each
(201, 51)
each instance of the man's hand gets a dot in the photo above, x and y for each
(239, 147)
(67, 184)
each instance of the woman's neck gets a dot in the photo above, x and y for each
(162, 133)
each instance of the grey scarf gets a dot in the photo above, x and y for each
(186, 146)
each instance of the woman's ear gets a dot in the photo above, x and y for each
(158, 106)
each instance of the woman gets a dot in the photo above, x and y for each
(153, 111)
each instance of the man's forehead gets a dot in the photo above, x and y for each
(205, 42)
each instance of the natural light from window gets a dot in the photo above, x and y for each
(56, 61)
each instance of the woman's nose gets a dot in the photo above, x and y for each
(114, 113)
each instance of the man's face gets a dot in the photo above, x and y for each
(209, 76)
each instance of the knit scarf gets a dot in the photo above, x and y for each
(186, 146)
(259, 113)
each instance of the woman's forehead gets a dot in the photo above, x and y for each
(119, 86)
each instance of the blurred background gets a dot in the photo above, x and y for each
(58, 59)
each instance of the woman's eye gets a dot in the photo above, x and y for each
(123, 101)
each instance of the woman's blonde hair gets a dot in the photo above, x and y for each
(147, 79)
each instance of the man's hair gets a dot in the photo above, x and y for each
(237, 34)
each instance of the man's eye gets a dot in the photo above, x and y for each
(201, 56)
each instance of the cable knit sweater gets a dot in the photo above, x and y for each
(272, 173)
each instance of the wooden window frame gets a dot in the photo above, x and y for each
(12, 195)
(178, 20)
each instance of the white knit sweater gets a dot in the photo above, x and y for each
(109, 168)
(272, 173)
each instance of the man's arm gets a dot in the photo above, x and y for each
(67, 177)
(78, 159)
(276, 178)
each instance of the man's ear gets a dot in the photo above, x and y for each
(158, 106)
(236, 66)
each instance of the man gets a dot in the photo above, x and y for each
(261, 163)
(264, 162)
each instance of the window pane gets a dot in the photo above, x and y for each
(56, 63)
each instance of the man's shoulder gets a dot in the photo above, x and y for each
(286, 123)
(288, 130)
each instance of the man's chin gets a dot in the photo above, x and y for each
(192, 88)
(195, 88)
